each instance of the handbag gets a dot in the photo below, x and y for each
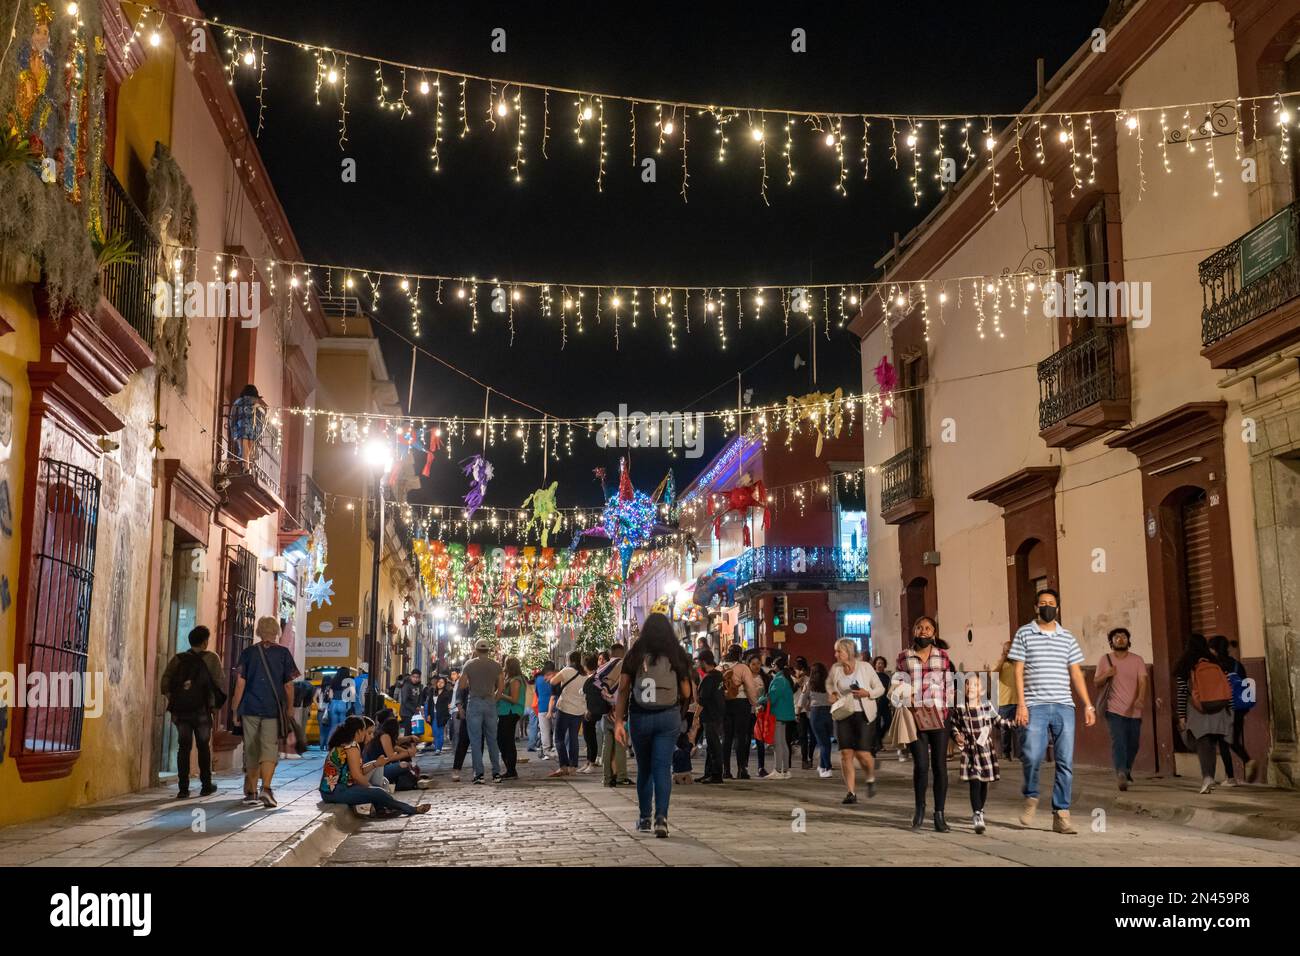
(844, 707)
(286, 725)
(927, 718)
(764, 725)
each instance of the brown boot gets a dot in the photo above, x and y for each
(1061, 822)
(1027, 813)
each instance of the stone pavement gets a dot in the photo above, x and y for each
(152, 828)
(576, 821)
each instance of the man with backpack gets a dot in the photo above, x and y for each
(192, 684)
(1121, 682)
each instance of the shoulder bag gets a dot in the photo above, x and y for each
(286, 724)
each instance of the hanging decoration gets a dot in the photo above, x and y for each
(628, 520)
(750, 494)
(824, 411)
(980, 144)
(886, 381)
(479, 472)
(320, 590)
(545, 514)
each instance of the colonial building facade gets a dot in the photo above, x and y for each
(1140, 458)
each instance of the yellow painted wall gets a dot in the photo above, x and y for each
(144, 113)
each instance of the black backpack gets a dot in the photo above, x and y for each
(597, 706)
(190, 686)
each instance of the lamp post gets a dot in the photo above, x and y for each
(379, 460)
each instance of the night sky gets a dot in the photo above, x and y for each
(472, 218)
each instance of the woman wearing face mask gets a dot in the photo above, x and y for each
(921, 684)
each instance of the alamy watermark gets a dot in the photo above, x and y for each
(1077, 298)
(214, 299)
(60, 689)
(624, 429)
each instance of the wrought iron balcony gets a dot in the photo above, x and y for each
(1246, 288)
(905, 485)
(820, 567)
(129, 285)
(1083, 388)
(304, 505)
(248, 469)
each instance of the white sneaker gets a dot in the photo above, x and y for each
(825, 773)
(979, 821)
(901, 758)
(1207, 786)
(587, 768)
(543, 756)
(1230, 782)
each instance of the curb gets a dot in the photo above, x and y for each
(315, 842)
(1248, 823)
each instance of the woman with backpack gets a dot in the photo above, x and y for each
(654, 689)
(1204, 704)
(1236, 672)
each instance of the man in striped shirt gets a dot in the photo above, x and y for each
(1047, 659)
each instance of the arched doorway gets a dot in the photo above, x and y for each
(1032, 575)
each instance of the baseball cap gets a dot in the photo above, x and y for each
(482, 646)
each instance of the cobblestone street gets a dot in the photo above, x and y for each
(578, 822)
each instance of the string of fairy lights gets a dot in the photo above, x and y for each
(677, 309)
(931, 148)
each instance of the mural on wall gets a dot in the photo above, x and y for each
(119, 610)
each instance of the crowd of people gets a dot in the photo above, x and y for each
(654, 700)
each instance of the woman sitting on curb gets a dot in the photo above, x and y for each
(342, 777)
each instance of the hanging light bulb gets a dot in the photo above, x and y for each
(853, 300)
(615, 302)
(1131, 122)
(293, 281)
(249, 58)
(587, 113)
(911, 141)
(406, 284)
(1029, 286)
(348, 283)
(1063, 136)
(332, 76)
(234, 272)
(1284, 118)
(72, 9)
(502, 108)
(901, 300)
(989, 143)
(830, 139)
(155, 38)
(424, 87)
(663, 300)
(757, 133)
(460, 293)
(668, 128)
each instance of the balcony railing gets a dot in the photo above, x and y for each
(817, 565)
(304, 504)
(129, 285)
(1080, 375)
(1251, 276)
(904, 477)
(258, 458)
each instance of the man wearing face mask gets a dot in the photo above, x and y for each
(1048, 659)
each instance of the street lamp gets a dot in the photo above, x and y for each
(379, 459)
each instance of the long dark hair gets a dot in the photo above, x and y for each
(1219, 645)
(817, 678)
(346, 732)
(657, 640)
(337, 679)
(1197, 650)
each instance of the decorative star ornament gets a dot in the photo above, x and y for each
(320, 591)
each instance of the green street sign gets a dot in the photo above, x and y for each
(1266, 247)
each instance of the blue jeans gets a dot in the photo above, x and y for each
(438, 734)
(654, 737)
(481, 720)
(1125, 733)
(1056, 721)
(534, 730)
(567, 728)
(823, 727)
(355, 794)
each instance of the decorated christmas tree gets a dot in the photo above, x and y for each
(599, 623)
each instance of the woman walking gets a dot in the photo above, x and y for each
(854, 687)
(334, 705)
(440, 712)
(780, 700)
(885, 711)
(654, 688)
(803, 730)
(921, 684)
(343, 777)
(1208, 721)
(1236, 743)
(570, 704)
(819, 717)
(510, 708)
(595, 710)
